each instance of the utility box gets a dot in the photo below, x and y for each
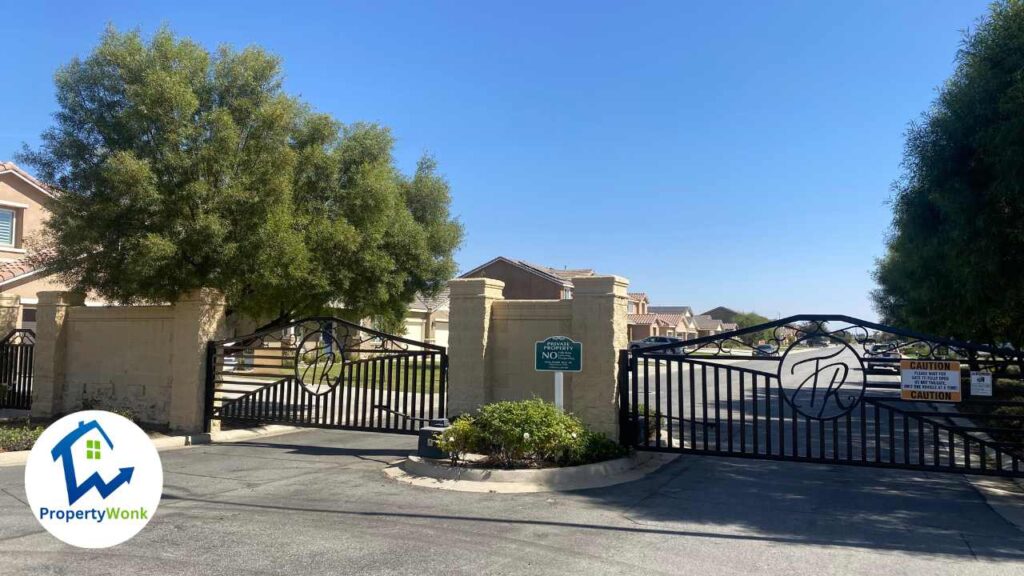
(428, 445)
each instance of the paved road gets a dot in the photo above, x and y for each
(316, 502)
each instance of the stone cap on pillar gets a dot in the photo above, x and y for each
(475, 288)
(10, 301)
(600, 286)
(61, 298)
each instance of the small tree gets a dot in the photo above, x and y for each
(181, 169)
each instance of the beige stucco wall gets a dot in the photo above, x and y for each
(492, 340)
(515, 326)
(120, 357)
(149, 359)
(29, 203)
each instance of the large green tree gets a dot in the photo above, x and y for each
(955, 258)
(179, 168)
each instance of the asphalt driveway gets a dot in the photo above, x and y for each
(316, 502)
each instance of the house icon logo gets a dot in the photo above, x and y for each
(93, 451)
(93, 479)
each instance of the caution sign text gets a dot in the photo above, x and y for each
(930, 380)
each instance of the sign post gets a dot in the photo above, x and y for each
(930, 380)
(558, 354)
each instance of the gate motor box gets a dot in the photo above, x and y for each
(428, 445)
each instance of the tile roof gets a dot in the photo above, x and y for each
(643, 319)
(671, 310)
(439, 302)
(637, 296)
(562, 276)
(11, 167)
(705, 322)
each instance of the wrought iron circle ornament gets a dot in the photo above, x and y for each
(822, 383)
(316, 356)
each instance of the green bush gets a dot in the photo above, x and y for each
(460, 438)
(527, 433)
(15, 437)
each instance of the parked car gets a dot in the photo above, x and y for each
(888, 352)
(764, 350)
(658, 341)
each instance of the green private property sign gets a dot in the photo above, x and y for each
(558, 354)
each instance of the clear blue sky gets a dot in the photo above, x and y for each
(736, 154)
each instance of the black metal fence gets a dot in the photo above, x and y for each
(326, 372)
(836, 401)
(16, 355)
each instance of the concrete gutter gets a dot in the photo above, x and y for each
(163, 443)
(439, 474)
(1004, 495)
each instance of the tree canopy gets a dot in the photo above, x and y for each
(180, 168)
(955, 257)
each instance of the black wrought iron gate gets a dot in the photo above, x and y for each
(17, 351)
(819, 388)
(326, 372)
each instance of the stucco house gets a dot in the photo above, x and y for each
(23, 210)
(526, 281)
(426, 319)
(708, 326)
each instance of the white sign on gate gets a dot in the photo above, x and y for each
(981, 383)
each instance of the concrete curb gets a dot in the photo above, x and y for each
(434, 474)
(176, 442)
(1004, 495)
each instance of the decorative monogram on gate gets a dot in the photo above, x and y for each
(822, 382)
(318, 361)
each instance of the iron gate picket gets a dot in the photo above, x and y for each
(329, 373)
(17, 351)
(823, 388)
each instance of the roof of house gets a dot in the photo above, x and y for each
(730, 326)
(643, 319)
(14, 169)
(21, 267)
(562, 276)
(638, 296)
(671, 310)
(705, 322)
(431, 304)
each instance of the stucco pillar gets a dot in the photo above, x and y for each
(469, 320)
(198, 318)
(10, 314)
(50, 352)
(599, 308)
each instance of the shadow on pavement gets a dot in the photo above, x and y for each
(932, 513)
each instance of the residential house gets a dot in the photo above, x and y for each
(708, 326)
(426, 320)
(730, 326)
(681, 317)
(525, 281)
(23, 210)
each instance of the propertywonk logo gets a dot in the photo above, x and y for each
(93, 479)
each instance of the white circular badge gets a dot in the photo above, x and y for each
(93, 479)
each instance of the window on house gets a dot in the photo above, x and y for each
(6, 227)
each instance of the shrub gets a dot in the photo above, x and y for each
(529, 432)
(459, 439)
(18, 436)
